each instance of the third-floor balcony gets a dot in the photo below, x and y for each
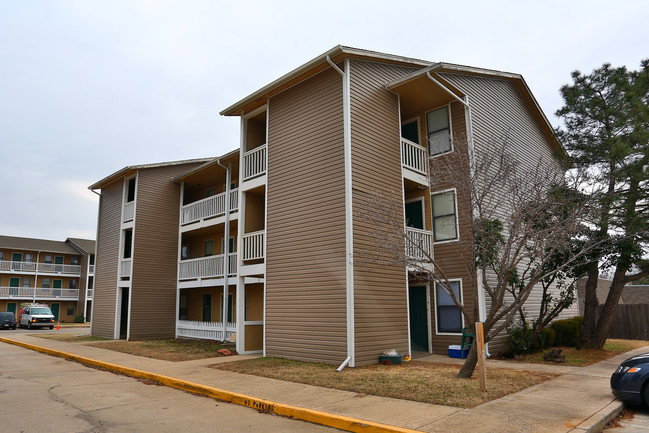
(41, 268)
(414, 159)
(419, 244)
(207, 267)
(209, 207)
(254, 162)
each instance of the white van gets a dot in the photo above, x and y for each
(36, 316)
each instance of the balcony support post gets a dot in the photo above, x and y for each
(226, 244)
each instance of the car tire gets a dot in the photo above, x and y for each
(51, 327)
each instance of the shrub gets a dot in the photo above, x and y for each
(518, 340)
(545, 339)
(79, 318)
(568, 331)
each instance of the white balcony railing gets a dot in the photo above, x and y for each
(41, 293)
(414, 156)
(208, 207)
(91, 269)
(253, 245)
(254, 162)
(205, 330)
(128, 212)
(43, 268)
(90, 293)
(419, 243)
(206, 267)
(125, 267)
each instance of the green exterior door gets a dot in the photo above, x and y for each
(11, 307)
(58, 263)
(418, 318)
(415, 214)
(14, 283)
(57, 287)
(55, 311)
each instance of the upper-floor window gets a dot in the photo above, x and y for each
(29, 258)
(130, 192)
(45, 283)
(27, 282)
(444, 216)
(72, 284)
(439, 131)
(47, 259)
(74, 260)
(2, 255)
(209, 248)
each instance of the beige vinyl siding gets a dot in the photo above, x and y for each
(498, 108)
(155, 253)
(380, 292)
(449, 255)
(107, 260)
(305, 260)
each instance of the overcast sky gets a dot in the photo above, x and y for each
(89, 87)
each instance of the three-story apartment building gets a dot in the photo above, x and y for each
(59, 274)
(259, 243)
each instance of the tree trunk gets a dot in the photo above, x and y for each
(590, 306)
(469, 364)
(608, 312)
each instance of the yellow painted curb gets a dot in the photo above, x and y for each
(311, 415)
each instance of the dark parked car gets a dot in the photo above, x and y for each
(7, 320)
(630, 382)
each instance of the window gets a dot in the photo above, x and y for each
(27, 282)
(184, 252)
(70, 310)
(210, 192)
(2, 255)
(209, 248)
(47, 259)
(74, 260)
(72, 284)
(45, 283)
(439, 131)
(444, 216)
(449, 317)
(29, 258)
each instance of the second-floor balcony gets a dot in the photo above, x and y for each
(129, 212)
(419, 244)
(253, 245)
(209, 207)
(38, 293)
(414, 157)
(207, 267)
(41, 268)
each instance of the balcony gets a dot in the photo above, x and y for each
(253, 245)
(209, 207)
(90, 293)
(207, 267)
(42, 268)
(205, 330)
(419, 244)
(414, 160)
(91, 269)
(39, 294)
(254, 162)
(129, 212)
(125, 267)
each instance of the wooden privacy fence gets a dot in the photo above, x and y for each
(631, 322)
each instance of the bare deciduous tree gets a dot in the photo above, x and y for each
(518, 217)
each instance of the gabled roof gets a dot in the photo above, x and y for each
(86, 246)
(132, 168)
(211, 162)
(31, 244)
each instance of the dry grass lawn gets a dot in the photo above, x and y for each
(584, 357)
(417, 381)
(178, 349)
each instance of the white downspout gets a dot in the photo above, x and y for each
(226, 247)
(38, 255)
(349, 234)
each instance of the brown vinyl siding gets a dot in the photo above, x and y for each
(107, 260)
(305, 260)
(155, 253)
(498, 108)
(380, 292)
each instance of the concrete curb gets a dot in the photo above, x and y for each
(310, 415)
(598, 421)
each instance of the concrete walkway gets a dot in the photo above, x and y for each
(579, 400)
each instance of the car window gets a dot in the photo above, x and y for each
(41, 311)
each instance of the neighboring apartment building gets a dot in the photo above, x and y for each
(59, 274)
(259, 243)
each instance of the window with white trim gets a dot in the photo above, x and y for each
(444, 216)
(449, 316)
(438, 129)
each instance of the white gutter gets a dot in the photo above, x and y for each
(226, 247)
(349, 234)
